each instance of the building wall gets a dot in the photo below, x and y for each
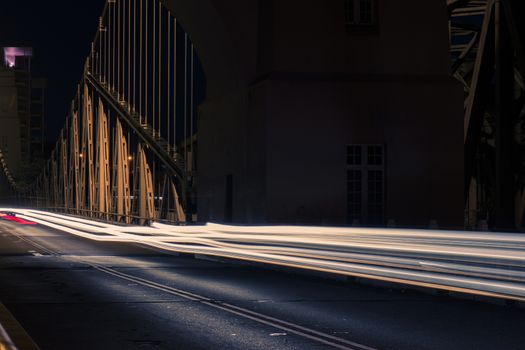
(311, 123)
(311, 36)
(289, 89)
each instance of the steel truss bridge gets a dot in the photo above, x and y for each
(488, 53)
(126, 152)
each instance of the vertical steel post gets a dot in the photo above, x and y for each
(146, 197)
(168, 87)
(140, 61)
(479, 92)
(154, 70)
(75, 154)
(90, 152)
(103, 172)
(160, 72)
(134, 85)
(123, 195)
(174, 82)
(181, 216)
(505, 210)
(146, 65)
(185, 138)
(64, 170)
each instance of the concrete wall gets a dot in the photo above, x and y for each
(288, 89)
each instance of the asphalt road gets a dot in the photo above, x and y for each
(73, 293)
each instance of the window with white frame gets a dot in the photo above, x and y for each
(366, 184)
(360, 14)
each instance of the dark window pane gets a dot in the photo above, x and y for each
(375, 155)
(349, 11)
(354, 195)
(365, 12)
(353, 155)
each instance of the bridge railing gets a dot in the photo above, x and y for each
(127, 149)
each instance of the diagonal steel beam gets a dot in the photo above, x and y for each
(479, 92)
(148, 138)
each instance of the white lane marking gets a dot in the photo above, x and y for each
(245, 313)
(34, 253)
(34, 244)
(260, 318)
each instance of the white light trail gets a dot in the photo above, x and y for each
(483, 263)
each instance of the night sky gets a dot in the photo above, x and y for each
(60, 33)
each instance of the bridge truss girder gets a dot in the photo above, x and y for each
(488, 54)
(96, 181)
(126, 153)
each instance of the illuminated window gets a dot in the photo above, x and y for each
(360, 14)
(366, 184)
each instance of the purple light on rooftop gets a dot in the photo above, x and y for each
(11, 53)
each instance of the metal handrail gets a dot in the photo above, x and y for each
(99, 216)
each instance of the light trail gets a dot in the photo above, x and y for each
(491, 264)
(5, 341)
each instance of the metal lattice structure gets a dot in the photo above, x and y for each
(487, 49)
(126, 152)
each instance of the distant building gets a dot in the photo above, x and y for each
(22, 105)
(38, 107)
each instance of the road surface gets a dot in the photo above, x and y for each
(72, 293)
